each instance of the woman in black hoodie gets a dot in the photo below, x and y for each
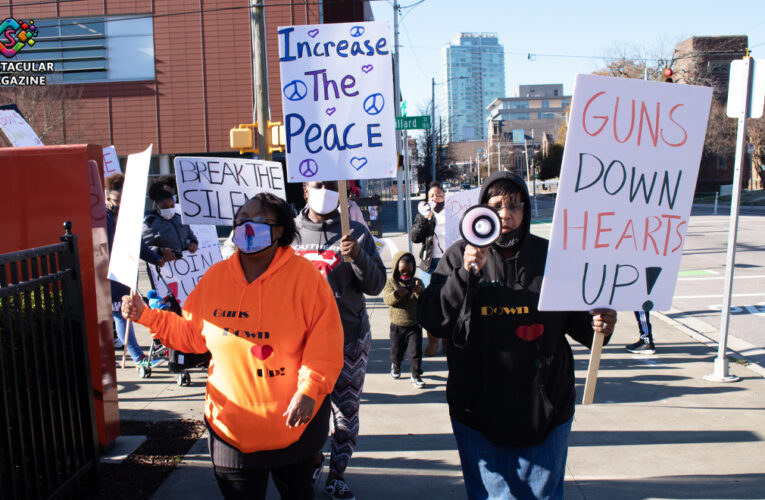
(511, 370)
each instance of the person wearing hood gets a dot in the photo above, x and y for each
(163, 230)
(113, 187)
(323, 243)
(510, 387)
(270, 322)
(430, 230)
(400, 294)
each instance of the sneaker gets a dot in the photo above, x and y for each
(158, 361)
(317, 470)
(417, 382)
(337, 488)
(395, 370)
(642, 347)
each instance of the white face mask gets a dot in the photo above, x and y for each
(323, 201)
(167, 213)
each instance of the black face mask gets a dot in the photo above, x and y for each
(507, 240)
(439, 206)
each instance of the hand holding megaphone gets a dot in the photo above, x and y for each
(425, 208)
(480, 227)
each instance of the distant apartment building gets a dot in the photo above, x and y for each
(531, 119)
(474, 75)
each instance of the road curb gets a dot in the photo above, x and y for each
(734, 344)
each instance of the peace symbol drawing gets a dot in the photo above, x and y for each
(295, 90)
(374, 103)
(308, 167)
(357, 31)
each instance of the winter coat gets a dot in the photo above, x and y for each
(402, 311)
(511, 369)
(319, 242)
(159, 233)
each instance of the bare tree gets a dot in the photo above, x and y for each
(47, 109)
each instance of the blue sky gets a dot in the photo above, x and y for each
(587, 31)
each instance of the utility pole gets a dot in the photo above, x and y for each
(260, 76)
(433, 128)
(397, 98)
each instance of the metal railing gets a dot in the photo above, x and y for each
(48, 435)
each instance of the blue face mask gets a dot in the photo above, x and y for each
(253, 237)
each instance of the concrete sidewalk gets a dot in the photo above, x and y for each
(656, 430)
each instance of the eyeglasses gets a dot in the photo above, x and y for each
(513, 207)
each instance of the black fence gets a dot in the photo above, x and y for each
(48, 435)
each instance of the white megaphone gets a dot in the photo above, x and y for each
(480, 226)
(425, 207)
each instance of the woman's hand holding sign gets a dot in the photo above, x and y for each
(603, 321)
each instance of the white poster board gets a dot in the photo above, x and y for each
(182, 275)
(737, 86)
(455, 205)
(337, 95)
(111, 162)
(17, 130)
(211, 190)
(123, 265)
(629, 172)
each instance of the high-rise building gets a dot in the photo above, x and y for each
(474, 75)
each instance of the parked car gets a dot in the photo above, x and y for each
(466, 186)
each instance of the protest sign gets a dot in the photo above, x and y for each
(455, 205)
(337, 95)
(371, 208)
(111, 162)
(211, 190)
(123, 265)
(626, 188)
(182, 275)
(16, 128)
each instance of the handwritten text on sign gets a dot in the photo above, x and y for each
(629, 173)
(211, 190)
(17, 130)
(182, 275)
(337, 94)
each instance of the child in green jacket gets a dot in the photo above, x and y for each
(401, 293)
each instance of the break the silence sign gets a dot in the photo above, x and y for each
(182, 275)
(211, 190)
(629, 172)
(337, 95)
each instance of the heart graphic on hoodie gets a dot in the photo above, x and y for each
(262, 352)
(530, 332)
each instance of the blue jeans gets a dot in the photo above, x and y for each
(497, 472)
(132, 346)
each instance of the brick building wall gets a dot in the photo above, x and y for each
(203, 82)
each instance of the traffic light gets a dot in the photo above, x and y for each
(668, 75)
(244, 137)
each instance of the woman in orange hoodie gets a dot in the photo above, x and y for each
(270, 321)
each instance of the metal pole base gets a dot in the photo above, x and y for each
(713, 377)
(721, 372)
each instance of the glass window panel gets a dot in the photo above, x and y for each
(84, 42)
(94, 52)
(84, 76)
(88, 64)
(82, 27)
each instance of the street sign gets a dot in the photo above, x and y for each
(737, 88)
(412, 122)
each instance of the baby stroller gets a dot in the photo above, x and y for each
(178, 362)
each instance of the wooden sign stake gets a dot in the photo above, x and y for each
(592, 370)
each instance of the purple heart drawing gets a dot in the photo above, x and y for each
(313, 33)
(329, 111)
(357, 162)
(367, 68)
